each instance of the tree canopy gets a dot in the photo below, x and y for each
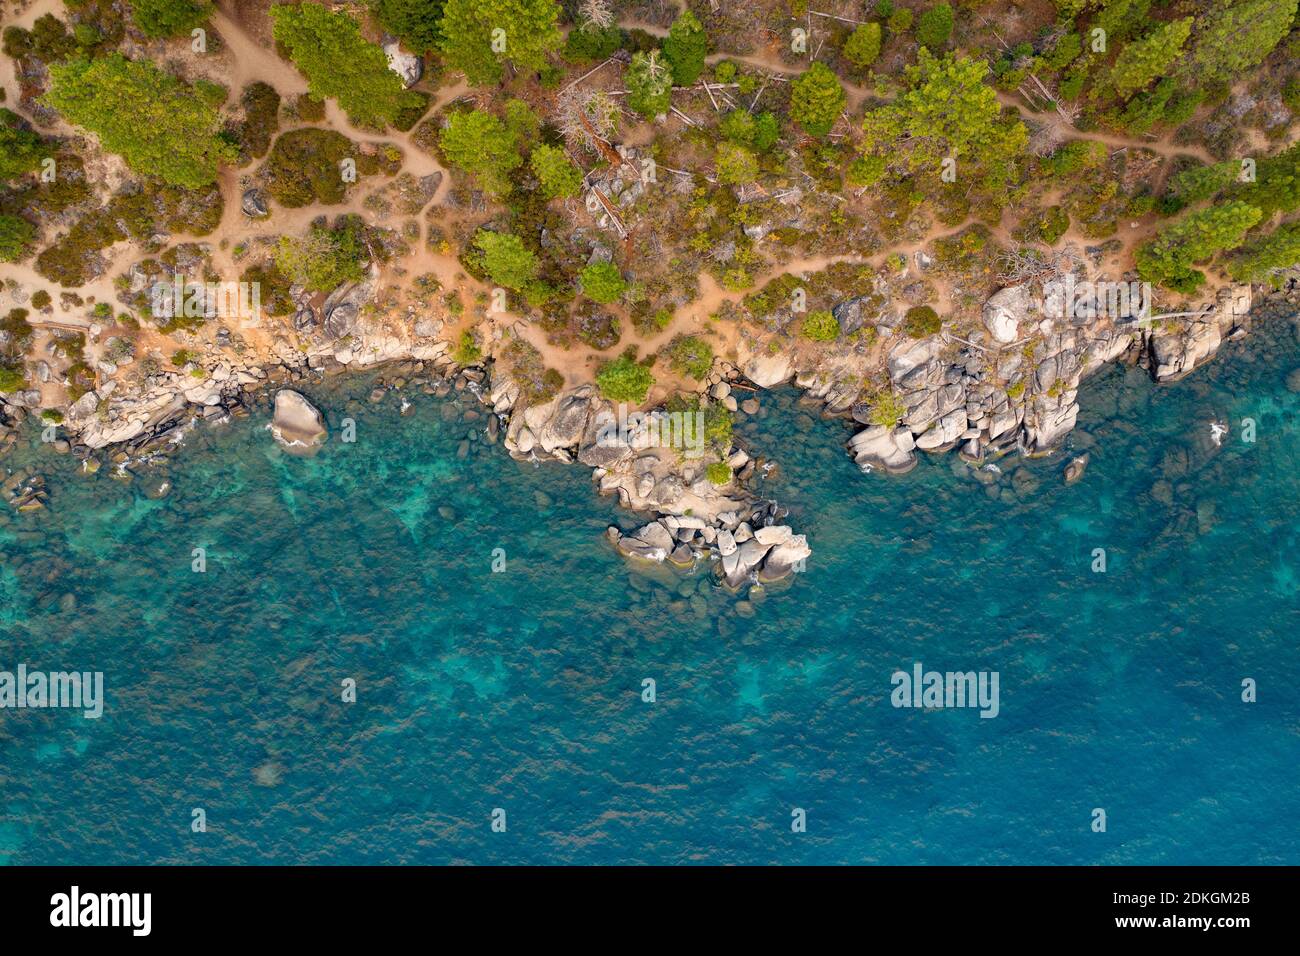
(169, 18)
(481, 144)
(481, 36)
(418, 23)
(328, 48)
(816, 99)
(685, 48)
(160, 125)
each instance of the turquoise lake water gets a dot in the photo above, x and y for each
(521, 690)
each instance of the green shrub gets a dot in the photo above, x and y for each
(820, 326)
(920, 321)
(624, 380)
(467, 351)
(169, 18)
(602, 282)
(16, 237)
(718, 473)
(690, 355)
(862, 48)
(305, 169)
(555, 172)
(935, 26)
(886, 408)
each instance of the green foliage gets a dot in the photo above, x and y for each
(820, 326)
(718, 473)
(169, 18)
(21, 149)
(624, 380)
(816, 99)
(587, 43)
(507, 261)
(1277, 183)
(467, 351)
(724, 71)
(1074, 156)
(328, 49)
(324, 258)
(736, 165)
(602, 282)
(1268, 256)
(1168, 258)
(157, 123)
(1234, 37)
(417, 22)
(261, 119)
(690, 355)
(273, 288)
(48, 41)
(899, 22)
(481, 144)
(1202, 182)
(1066, 50)
(935, 26)
(16, 333)
(920, 321)
(649, 85)
(12, 377)
(865, 171)
(766, 131)
(862, 48)
(529, 28)
(304, 169)
(1046, 226)
(745, 129)
(947, 111)
(1147, 59)
(16, 237)
(886, 408)
(558, 176)
(310, 109)
(685, 48)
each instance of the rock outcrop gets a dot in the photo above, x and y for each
(297, 424)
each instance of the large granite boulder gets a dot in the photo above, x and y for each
(881, 447)
(296, 423)
(1006, 311)
(406, 65)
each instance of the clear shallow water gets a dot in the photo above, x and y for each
(521, 689)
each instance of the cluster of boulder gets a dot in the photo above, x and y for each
(698, 520)
(755, 548)
(1013, 386)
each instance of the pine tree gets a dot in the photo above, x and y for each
(338, 62)
(481, 36)
(417, 22)
(1148, 59)
(685, 48)
(863, 45)
(481, 144)
(160, 125)
(169, 18)
(1168, 258)
(1269, 256)
(558, 177)
(935, 26)
(1237, 36)
(21, 150)
(649, 85)
(816, 99)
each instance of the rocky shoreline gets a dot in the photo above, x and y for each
(947, 387)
